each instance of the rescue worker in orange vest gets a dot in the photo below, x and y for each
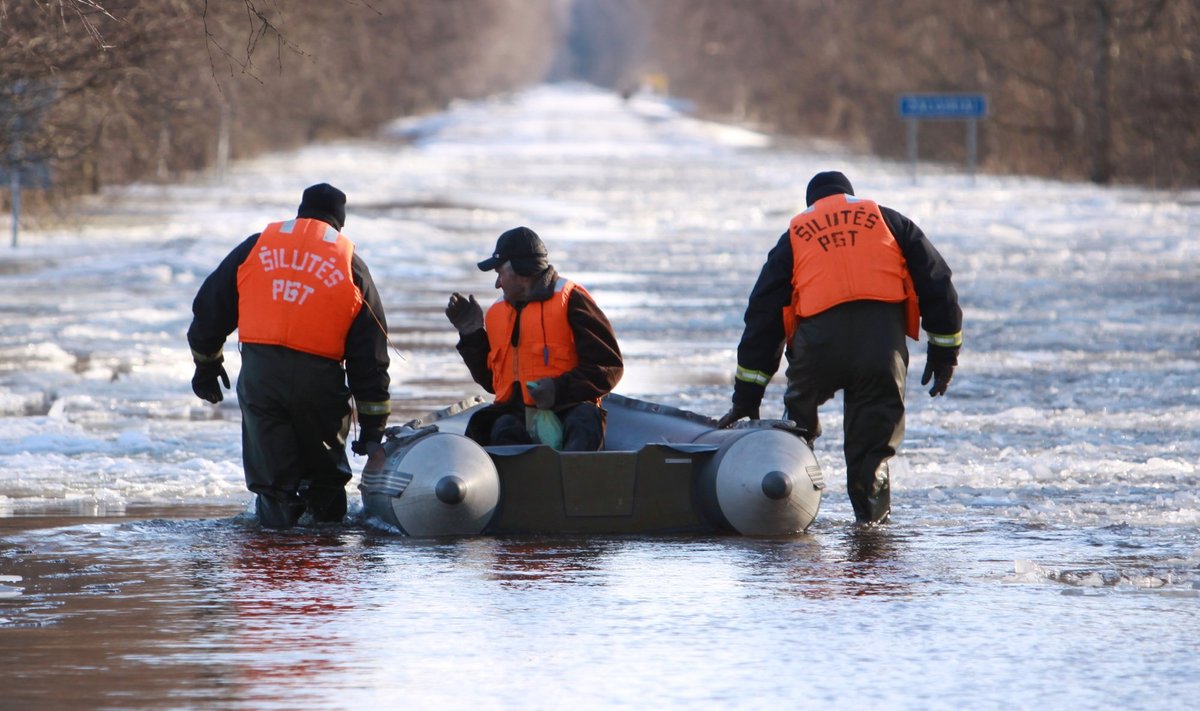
(304, 304)
(851, 278)
(544, 344)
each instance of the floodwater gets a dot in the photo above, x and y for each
(1044, 550)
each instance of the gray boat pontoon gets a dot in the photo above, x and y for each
(663, 471)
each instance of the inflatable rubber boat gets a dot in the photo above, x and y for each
(663, 470)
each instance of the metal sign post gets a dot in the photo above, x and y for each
(15, 187)
(14, 175)
(961, 107)
(22, 106)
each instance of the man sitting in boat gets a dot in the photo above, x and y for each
(544, 346)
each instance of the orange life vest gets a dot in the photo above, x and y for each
(546, 348)
(296, 289)
(843, 250)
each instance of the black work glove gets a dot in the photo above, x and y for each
(543, 393)
(204, 382)
(736, 413)
(370, 435)
(465, 313)
(939, 365)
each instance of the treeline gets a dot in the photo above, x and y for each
(112, 91)
(1100, 90)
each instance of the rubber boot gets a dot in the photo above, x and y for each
(874, 506)
(273, 513)
(326, 505)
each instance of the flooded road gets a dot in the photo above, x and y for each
(1044, 552)
(211, 613)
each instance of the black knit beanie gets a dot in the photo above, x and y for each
(830, 182)
(325, 203)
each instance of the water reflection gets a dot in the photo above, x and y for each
(832, 563)
(216, 613)
(522, 562)
(851, 562)
(279, 575)
(290, 596)
(874, 544)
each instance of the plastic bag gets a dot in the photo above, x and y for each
(546, 428)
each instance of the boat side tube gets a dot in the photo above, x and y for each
(763, 480)
(429, 483)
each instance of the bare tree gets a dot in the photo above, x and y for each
(149, 90)
(1097, 89)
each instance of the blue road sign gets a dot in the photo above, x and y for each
(943, 106)
(30, 175)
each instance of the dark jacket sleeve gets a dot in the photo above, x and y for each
(941, 315)
(763, 338)
(367, 357)
(215, 308)
(474, 349)
(600, 364)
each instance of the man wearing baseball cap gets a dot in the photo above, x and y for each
(544, 345)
